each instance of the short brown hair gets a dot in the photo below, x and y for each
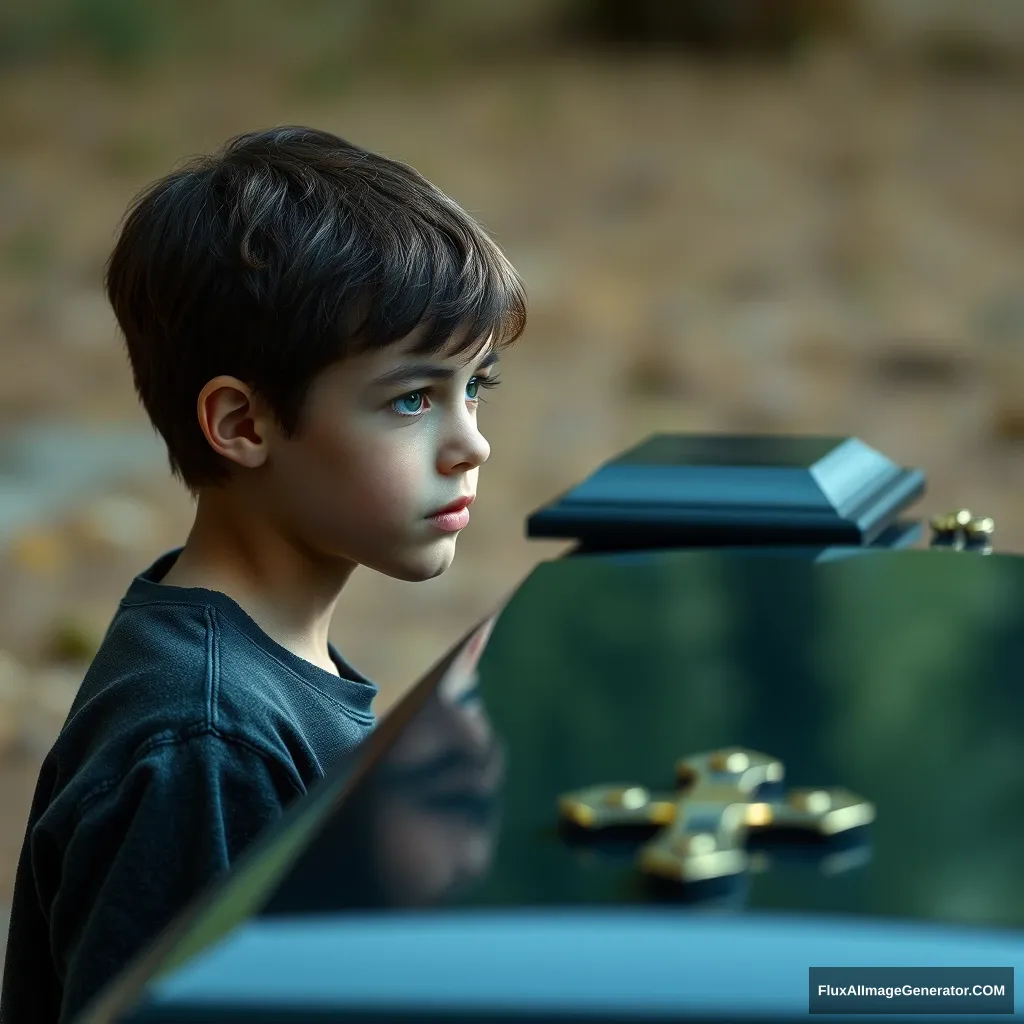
(284, 252)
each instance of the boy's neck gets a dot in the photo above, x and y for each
(289, 594)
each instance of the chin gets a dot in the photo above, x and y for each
(420, 566)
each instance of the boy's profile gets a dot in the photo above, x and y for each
(310, 327)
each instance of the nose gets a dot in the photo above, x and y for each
(464, 447)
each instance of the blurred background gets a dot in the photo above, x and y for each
(731, 215)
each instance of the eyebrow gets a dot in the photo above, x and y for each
(412, 373)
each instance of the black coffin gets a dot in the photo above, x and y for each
(437, 876)
(713, 490)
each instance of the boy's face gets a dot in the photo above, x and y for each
(386, 440)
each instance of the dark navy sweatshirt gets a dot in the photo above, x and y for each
(190, 734)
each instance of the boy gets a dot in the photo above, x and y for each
(309, 327)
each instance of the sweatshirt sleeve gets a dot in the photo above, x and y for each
(148, 843)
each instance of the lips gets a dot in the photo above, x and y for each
(455, 506)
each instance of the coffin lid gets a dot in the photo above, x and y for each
(699, 490)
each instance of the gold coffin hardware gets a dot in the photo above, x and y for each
(963, 531)
(706, 821)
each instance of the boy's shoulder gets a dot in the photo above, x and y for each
(168, 666)
(176, 665)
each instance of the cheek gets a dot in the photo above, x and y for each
(393, 480)
(387, 479)
(361, 475)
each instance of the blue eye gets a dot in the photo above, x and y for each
(476, 383)
(415, 402)
(415, 406)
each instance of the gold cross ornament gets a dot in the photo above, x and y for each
(705, 823)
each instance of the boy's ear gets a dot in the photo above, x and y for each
(232, 420)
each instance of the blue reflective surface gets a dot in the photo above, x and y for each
(649, 964)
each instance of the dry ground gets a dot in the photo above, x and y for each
(825, 249)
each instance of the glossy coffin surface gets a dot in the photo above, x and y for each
(701, 490)
(895, 675)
